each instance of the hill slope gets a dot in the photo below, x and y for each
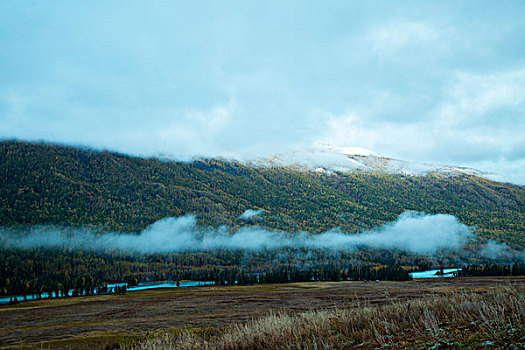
(49, 184)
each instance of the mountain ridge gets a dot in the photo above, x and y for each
(51, 184)
(327, 158)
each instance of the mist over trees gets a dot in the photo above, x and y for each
(59, 271)
(66, 187)
(55, 272)
(48, 184)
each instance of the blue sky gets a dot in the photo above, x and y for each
(439, 82)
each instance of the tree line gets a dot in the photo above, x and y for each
(516, 269)
(62, 273)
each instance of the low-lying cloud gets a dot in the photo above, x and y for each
(414, 232)
(251, 215)
(494, 250)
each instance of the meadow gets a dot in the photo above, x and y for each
(354, 314)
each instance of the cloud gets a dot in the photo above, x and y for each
(477, 123)
(430, 82)
(412, 231)
(251, 215)
(476, 97)
(395, 36)
(499, 251)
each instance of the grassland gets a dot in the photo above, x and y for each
(460, 320)
(218, 317)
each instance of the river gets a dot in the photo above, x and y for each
(141, 286)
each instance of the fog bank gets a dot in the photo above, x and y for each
(412, 231)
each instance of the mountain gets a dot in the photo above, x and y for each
(329, 159)
(51, 184)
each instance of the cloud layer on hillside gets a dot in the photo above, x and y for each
(413, 232)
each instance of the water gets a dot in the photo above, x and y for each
(170, 285)
(142, 286)
(432, 273)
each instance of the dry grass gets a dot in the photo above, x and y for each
(458, 317)
(204, 313)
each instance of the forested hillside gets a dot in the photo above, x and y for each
(50, 184)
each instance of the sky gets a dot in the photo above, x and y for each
(439, 82)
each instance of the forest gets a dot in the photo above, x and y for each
(66, 272)
(55, 272)
(44, 184)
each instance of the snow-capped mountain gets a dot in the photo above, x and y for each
(326, 158)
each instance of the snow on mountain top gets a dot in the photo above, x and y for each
(324, 158)
(310, 158)
(353, 151)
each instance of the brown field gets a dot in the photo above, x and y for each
(98, 321)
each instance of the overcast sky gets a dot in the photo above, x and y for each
(438, 81)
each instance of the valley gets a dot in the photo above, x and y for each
(280, 243)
